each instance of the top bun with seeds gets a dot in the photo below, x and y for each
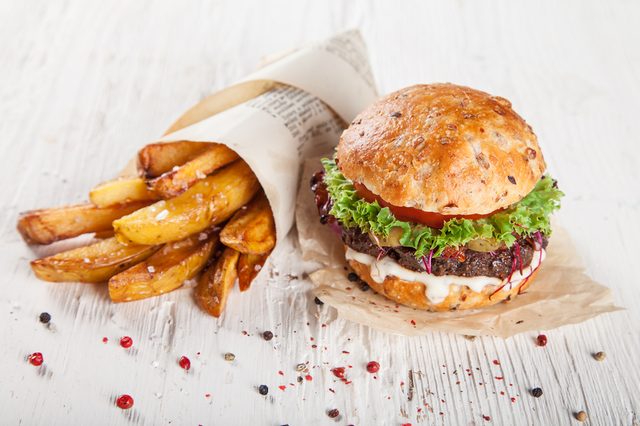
(442, 148)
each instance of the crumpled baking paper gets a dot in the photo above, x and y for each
(561, 293)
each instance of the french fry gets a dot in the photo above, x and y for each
(249, 265)
(178, 180)
(49, 225)
(165, 270)
(121, 190)
(101, 235)
(209, 202)
(91, 264)
(158, 158)
(251, 230)
(216, 282)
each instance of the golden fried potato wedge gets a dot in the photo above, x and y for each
(178, 180)
(48, 225)
(91, 264)
(165, 270)
(158, 158)
(209, 202)
(249, 265)
(101, 235)
(251, 230)
(121, 190)
(216, 282)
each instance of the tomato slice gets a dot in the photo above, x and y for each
(410, 214)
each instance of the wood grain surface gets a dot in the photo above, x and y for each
(85, 83)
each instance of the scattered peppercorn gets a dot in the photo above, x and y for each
(469, 337)
(125, 402)
(36, 359)
(267, 335)
(536, 392)
(373, 367)
(229, 356)
(318, 301)
(45, 317)
(263, 389)
(364, 286)
(184, 363)
(300, 379)
(338, 372)
(599, 356)
(300, 367)
(126, 341)
(581, 416)
(353, 277)
(396, 114)
(333, 413)
(542, 340)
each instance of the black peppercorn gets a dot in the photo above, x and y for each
(536, 392)
(353, 277)
(318, 301)
(45, 317)
(267, 335)
(263, 389)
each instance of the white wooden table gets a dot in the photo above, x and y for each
(84, 83)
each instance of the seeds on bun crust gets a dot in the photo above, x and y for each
(442, 148)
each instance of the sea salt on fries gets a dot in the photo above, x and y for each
(155, 231)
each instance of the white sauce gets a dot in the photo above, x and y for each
(437, 288)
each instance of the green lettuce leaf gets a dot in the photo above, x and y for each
(523, 219)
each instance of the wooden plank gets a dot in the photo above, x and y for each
(85, 83)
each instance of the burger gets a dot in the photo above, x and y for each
(440, 197)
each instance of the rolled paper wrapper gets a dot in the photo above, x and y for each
(288, 110)
(561, 294)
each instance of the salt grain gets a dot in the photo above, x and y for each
(203, 236)
(162, 215)
(200, 175)
(257, 267)
(151, 269)
(86, 260)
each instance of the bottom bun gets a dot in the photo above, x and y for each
(413, 294)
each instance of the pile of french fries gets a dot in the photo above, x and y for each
(195, 211)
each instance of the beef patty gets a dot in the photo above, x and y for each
(462, 261)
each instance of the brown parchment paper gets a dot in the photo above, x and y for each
(561, 294)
